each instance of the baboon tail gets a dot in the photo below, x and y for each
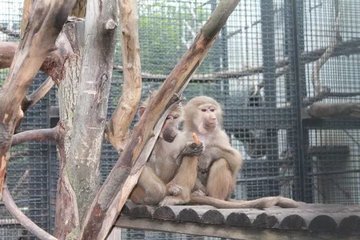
(260, 203)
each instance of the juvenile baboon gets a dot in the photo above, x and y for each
(219, 163)
(169, 152)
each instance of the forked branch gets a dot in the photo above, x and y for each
(117, 127)
(124, 175)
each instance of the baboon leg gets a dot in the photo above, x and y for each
(150, 189)
(180, 186)
(220, 182)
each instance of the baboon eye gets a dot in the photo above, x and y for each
(175, 116)
(212, 109)
(203, 109)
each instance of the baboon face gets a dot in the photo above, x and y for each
(171, 126)
(203, 114)
(209, 121)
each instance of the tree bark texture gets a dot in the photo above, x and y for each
(110, 198)
(92, 102)
(79, 9)
(117, 128)
(67, 221)
(52, 65)
(45, 23)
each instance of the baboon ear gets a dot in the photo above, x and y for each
(141, 111)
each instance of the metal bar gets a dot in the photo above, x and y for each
(298, 68)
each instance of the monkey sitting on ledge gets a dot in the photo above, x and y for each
(218, 164)
(169, 152)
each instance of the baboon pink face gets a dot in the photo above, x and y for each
(203, 115)
(208, 113)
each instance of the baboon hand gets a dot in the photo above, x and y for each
(193, 149)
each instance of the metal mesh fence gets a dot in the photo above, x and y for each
(263, 69)
(331, 159)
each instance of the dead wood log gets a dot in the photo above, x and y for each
(46, 21)
(124, 175)
(334, 110)
(117, 127)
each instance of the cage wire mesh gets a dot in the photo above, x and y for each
(261, 69)
(332, 147)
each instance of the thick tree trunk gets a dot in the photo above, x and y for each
(83, 99)
(118, 185)
(91, 106)
(67, 215)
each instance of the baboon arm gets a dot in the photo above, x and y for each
(226, 151)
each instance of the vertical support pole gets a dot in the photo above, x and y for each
(298, 70)
(269, 79)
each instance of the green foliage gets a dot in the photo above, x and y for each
(165, 30)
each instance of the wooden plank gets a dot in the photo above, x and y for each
(318, 218)
(221, 231)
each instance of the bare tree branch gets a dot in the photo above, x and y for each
(38, 135)
(7, 50)
(46, 21)
(117, 128)
(25, 15)
(324, 58)
(38, 94)
(22, 218)
(53, 64)
(334, 110)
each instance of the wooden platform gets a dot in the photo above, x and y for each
(310, 221)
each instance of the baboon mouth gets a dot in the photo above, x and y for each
(209, 126)
(169, 135)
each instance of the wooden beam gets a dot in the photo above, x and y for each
(214, 231)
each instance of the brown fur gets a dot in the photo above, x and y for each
(162, 164)
(220, 161)
(170, 152)
(218, 164)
